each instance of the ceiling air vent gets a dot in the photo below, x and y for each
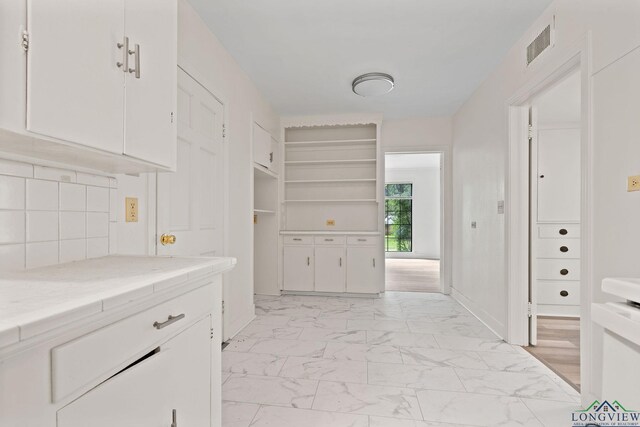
(538, 46)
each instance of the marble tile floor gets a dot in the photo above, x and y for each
(403, 360)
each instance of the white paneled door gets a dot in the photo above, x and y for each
(190, 201)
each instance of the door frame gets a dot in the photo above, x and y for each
(446, 205)
(559, 64)
(153, 186)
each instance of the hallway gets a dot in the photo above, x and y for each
(406, 359)
(412, 275)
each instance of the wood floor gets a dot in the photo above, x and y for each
(412, 275)
(559, 347)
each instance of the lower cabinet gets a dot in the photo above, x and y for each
(361, 269)
(330, 275)
(298, 268)
(171, 383)
(332, 263)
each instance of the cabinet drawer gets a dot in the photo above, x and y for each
(362, 240)
(559, 231)
(559, 293)
(558, 269)
(330, 240)
(558, 248)
(298, 240)
(93, 357)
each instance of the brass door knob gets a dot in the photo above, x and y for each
(167, 239)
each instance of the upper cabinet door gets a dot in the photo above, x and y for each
(151, 84)
(261, 146)
(74, 85)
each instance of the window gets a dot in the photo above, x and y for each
(397, 217)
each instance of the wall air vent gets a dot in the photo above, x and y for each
(538, 46)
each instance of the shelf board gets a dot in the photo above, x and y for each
(264, 211)
(333, 142)
(321, 181)
(266, 173)
(327, 162)
(333, 201)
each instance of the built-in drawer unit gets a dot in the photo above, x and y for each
(330, 240)
(557, 231)
(298, 240)
(558, 269)
(558, 248)
(559, 293)
(92, 358)
(362, 240)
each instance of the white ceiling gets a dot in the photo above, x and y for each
(412, 161)
(303, 55)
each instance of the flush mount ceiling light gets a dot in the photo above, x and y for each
(372, 84)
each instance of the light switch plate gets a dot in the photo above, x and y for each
(633, 183)
(331, 222)
(131, 209)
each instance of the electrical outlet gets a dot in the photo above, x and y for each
(331, 222)
(633, 183)
(131, 209)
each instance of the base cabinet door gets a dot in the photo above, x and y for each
(362, 270)
(298, 268)
(175, 377)
(330, 274)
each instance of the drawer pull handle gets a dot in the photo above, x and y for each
(563, 231)
(362, 240)
(171, 319)
(174, 418)
(564, 271)
(340, 261)
(374, 263)
(564, 249)
(328, 240)
(308, 260)
(564, 293)
(297, 239)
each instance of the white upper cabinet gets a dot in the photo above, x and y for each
(150, 130)
(100, 74)
(75, 90)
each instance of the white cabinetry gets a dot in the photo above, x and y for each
(361, 268)
(330, 274)
(298, 268)
(556, 215)
(100, 75)
(332, 263)
(262, 150)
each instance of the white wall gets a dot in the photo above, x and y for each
(480, 157)
(426, 210)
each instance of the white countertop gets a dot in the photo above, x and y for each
(626, 288)
(327, 233)
(38, 300)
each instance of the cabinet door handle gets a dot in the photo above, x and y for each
(563, 231)
(136, 58)
(125, 54)
(174, 418)
(271, 157)
(308, 260)
(374, 263)
(171, 319)
(564, 271)
(564, 249)
(340, 261)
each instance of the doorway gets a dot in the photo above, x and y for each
(413, 222)
(554, 223)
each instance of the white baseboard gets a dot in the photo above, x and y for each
(489, 321)
(237, 326)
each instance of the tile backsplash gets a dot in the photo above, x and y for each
(49, 215)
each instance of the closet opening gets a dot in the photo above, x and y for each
(555, 199)
(413, 221)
